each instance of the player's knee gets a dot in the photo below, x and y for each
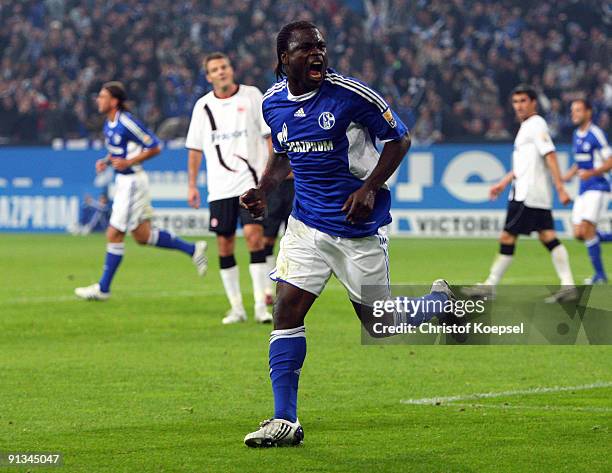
(254, 241)
(113, 235)
(589, 231)
(141, 239)
(284, 317)
(507, 239)
(287, 314)
(225, 243)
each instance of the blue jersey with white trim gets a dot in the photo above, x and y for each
(590, 151)
(329, 135)
(126, 136)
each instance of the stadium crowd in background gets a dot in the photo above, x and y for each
(446, 66)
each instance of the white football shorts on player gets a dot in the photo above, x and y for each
(308, 257)
(590, 206)
(131, 202)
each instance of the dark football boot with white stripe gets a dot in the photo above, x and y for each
(276, 433)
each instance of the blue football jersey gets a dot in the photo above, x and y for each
(590, 151)
(329, 135)
(126, 136)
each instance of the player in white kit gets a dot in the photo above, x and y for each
(228, 128)
(534, 161)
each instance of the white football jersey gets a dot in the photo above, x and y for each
(231, 133)
(532, 181)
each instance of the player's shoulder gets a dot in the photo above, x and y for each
(204, 99)
(137, 128)
(129, 120)
(250, 90)
(536, 123)
(598, 134)
(538, 120)
(353, 88)
(274, 92)
(124, 116)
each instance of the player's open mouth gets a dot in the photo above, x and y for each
(315, 70)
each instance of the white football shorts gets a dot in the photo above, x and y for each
(308, 257)
(131, 202)
(590, 206)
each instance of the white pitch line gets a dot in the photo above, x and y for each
(131, 295)
(531, 407)
(518, 392)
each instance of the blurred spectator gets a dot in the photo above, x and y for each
(94, 215)
(497, 132)
(450, 65)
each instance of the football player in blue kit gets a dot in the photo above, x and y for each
(129, 144)
(324, 126)
(593, 161)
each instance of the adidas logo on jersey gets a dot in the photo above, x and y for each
(300, 113)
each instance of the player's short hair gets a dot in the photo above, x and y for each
(117, 90)
(586, 103)
(213, 56)
(282, 42)
(525, 89)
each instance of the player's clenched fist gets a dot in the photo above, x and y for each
(101, 165)
(564, 197)
(254, 200)
(359, 205)
(495, 190)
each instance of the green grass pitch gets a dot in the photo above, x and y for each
(150, 381)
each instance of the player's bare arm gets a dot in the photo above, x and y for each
(571, 172)
(101, 164)
(277, 170)
(498, 188)
(586, 174)
(121, 164)
(193, 169)
(360, 203)
(553, 166)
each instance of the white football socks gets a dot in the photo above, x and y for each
(259, 274)
(270, 263)
(560, 259)
(231, 283)
(498, 268)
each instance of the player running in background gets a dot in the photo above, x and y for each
(323, 128)
(593, 161)
(280, 203)
(129, 144)
(530, 200)
(227, 126)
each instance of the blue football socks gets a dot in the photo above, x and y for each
(287, 353)
(604, 237)
(114, 255)
(165, 239)
(594, 249)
